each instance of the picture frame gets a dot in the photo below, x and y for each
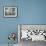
(10, 11)
(36, 32)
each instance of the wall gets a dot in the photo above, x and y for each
(29, 12)
(7, 25)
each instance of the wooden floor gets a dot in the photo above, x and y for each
(30, 43)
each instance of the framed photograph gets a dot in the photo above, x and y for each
(10, 11)
(32, 32)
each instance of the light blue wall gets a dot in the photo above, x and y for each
(29, 12)
(7, 25)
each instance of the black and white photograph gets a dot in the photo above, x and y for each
(10, 11)
(31, 34)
